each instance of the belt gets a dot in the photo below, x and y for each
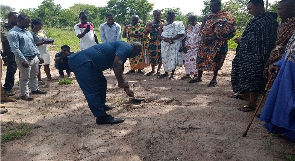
(30, 57)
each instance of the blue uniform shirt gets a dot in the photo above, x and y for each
(102, 55)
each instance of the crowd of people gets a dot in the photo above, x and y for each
(265, 53)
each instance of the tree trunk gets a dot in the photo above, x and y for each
(266, 5)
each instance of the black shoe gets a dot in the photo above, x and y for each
(3, 111)
(107, 107)
(26, 98)
(107, 119)
(38, 91)
(9, 92)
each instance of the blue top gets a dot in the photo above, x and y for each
(22, 43)
(102, 55)
(110, 34)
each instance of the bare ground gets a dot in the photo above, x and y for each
(177, 121)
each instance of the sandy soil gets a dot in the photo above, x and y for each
(177, 121)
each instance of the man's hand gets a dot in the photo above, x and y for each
(41, 61)
(87, 29)
(25, 64)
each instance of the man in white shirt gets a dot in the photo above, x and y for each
(110, 31)
(85, 32)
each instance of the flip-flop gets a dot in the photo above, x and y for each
(150, 73)
(236, 96)
(246, 108)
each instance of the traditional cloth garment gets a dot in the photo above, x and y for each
(285, 31)
(154, 46)
(279, 108)
(138, 61)
(252, 53)
(171, 57)
(192, 43)
(221, 25)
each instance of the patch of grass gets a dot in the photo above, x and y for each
(287, 156)
(120, 101)
(19, 130)
(65, 81)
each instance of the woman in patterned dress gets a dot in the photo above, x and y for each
(135, 33)
(190, 46)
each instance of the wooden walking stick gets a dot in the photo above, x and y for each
(268, 84)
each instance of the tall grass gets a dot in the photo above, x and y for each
(67, 36)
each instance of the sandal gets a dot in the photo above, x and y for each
(158, 74)
(213, 83)
(163, 76)
(194, 80)
(140, 72)
(246, 108)
(185, 77)
(130, 71)
(150, 73)
(236, 96)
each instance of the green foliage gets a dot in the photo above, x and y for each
(65, 81)
(63, 36)
(178, 14)
(238, 9)
(287, 157)
(4, 10)
(30, 12)
(124, 9)
(231, 44)
(20, 130)
(206, 8)
(48, 12)
(273, 7)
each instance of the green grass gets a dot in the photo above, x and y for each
(65, 36)
(20, 130)
(65, 81)
(287, 157)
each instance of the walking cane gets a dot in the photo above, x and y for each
(268, 84)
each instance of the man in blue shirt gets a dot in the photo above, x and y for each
(88, 66)
(27, 57)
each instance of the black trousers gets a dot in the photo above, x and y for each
(9, 79)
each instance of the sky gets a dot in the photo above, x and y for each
(185, 6)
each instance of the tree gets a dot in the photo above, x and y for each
(206, 10)
(4, 10)
(238, 9)
(48, 12)
(124, 9)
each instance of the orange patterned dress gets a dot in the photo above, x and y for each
(137, 62)
(221, 25)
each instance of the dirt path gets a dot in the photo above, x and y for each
(177, 121)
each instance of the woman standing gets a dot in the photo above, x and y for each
(41, 41)
(190, 47)
(135, 33)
